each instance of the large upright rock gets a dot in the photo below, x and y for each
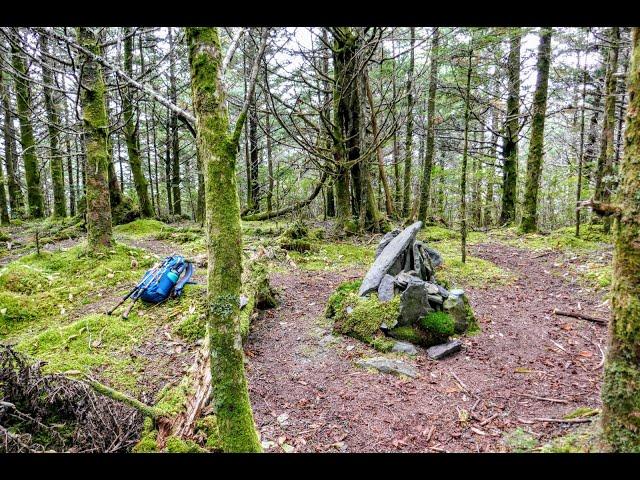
(387, 258)
(414, 304)
(386, 239)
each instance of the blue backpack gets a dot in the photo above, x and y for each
(167, 280)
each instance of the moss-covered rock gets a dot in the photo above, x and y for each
(361, 317)
(336, 300)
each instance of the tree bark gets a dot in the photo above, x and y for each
(95, 126)
(604, 170)
(512, 130)
(217, 150)
(536, 143)
(620, 392)
(131, 131)
(175, 139)
(465, 152)
(53, 125)
(408, 147)
(35, 196)
(427, 166)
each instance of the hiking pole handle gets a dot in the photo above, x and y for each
(125, 315)
(124, 299)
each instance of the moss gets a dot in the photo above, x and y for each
(366, 317)
(381, 343)
(519, 440)
(4, 237)
(619, 393)
(208, 426)
(417, 336)
(143, 228)
(438, 322)
(296, 245)
(336, 300)
(245, 317)
(582, 412)
(178, 445)
(334, 256)
(25, 279)
(317, 234)
(192, 328)
(296, 231)
(584, 439)
(148, 443)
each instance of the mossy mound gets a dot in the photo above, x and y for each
(295, 238)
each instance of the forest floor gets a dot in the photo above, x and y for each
(524, 366)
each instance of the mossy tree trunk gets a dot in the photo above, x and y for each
(427, 166)
(175, 137)
(512, 130)
(95, 134)
(217, 149)
(16, 199)
(408, 146)
(51, 102)
(536, 143)
(621, 385)
(604, 170)
(70, 182)
(131, 131)
(35, 196)
(465, 153)
(4, 211)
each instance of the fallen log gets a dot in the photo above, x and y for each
(581, 316)
(290, 208)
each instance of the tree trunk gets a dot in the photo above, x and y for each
(536, 144)
(620, 392)
(95, 125)
(607, 146)
(167, 162)
(581, 147)
(131, 131)
(16, 199)
(217, 151)
(427, 166)
(408, 149)
(53, 125)
(512, 130)
(35, 196)
(465, 152)
(175, 139)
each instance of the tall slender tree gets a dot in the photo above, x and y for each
(408, 146)
(95, 125)
(217, 150)
(35, 197)
(131, 130)
(536, 143)
(620, 392)
(512, 131)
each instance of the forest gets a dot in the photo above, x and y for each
(319, 239)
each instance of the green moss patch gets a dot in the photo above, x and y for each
(439, 323)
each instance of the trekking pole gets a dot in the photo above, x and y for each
(140, 290)
(133, 290)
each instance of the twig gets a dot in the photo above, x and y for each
(555, 400)
(581, 316)
(563, 420)
(559, 346)
(464, 387)
(487, 420)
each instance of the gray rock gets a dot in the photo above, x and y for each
(403, 279)
(386, 365)
(436, 299)
(414, 304)
(386, 288)
(243, 301)
(432, 288)
(434, 256)
(398, 265)
(386, 239)
(443, 292)
(404, 347)
(440, 351)
(387, 258)
(455, 306)
(418, 263)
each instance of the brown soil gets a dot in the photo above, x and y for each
(307, 392)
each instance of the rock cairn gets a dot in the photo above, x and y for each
(407, 267)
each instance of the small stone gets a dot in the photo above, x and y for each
(386, 365)
(243, 301)
(443, 292)
(282, 419)
(437, 299)
(455, 306)
(349, 310)
(386, 288)
(440, 351)
(404, 347)
(403, 279)
(432, 288)
(434, 255)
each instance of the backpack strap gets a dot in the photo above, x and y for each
(188, 272)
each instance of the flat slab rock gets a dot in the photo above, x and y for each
(387, 258)
(440, 351)
(386, 365)
(404, 347)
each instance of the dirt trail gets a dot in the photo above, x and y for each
(305, 387)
